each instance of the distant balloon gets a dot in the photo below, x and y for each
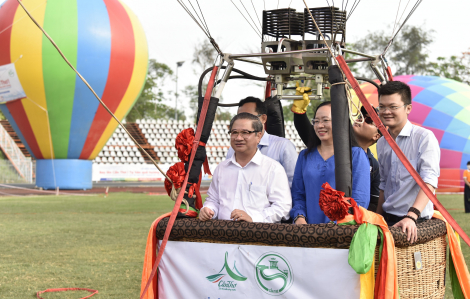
(442, 106)
(60, 118)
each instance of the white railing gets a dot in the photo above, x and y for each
(21, 164)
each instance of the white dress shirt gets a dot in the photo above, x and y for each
(421, 148)
(280, 149)
(260, 188)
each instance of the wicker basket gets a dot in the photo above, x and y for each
(429, 281)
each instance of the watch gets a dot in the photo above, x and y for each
(300, 216)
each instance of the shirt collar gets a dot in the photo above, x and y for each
(406, 131)
(265, 139)
(256, 159)
(369, 153)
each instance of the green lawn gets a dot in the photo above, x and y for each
(91, 242)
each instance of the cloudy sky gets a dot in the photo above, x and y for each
(172, 34)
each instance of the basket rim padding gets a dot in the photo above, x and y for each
(279, 234)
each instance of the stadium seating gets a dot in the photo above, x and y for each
(159, 135)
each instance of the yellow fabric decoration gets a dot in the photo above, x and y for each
(300, 106)
(368, 283)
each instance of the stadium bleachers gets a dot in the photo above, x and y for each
(158, 138)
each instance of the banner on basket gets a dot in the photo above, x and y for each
(10, 86)
(224, 271)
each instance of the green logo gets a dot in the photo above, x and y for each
(234, 274)
(273, 274)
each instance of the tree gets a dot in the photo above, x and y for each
(203, 58)
(453, 67)
(149, 104)
(223, 115)
(406, 56)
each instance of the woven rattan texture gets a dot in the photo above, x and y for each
(319, 235)
(428, 282)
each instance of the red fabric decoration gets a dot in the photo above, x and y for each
(207, 170)
(333, 203)
(184, 143)
(176, 173)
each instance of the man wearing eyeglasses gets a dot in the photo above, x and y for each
(278, 148)
(401, 200)
(248, 186)
(367, 134)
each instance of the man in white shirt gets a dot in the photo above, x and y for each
(249, 186)
(401, 201)
(280, 149)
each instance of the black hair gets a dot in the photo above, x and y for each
(255, 122)
(397, 87)
(314, 141)
(468, 163)
(260, 105)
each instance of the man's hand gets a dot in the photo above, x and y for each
(240, 215)
(206, 214)
(301, 220)
(409, 228)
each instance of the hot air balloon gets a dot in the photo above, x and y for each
(442, 106)
(60, 121)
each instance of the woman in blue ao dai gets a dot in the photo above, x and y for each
(316, 165)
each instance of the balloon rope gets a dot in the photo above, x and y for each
(91, 89)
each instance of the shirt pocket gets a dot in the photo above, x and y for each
(404, 174)
(257, 197)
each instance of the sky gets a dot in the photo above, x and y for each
(172, 34)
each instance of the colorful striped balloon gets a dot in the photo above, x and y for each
(442, 106)
(103, 39)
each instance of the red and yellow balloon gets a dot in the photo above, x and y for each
(60, 118)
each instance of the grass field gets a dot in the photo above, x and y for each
(91, 242)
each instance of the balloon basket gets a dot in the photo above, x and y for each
(64, 173)
(231, 258)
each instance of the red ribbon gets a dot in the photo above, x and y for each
(333, 203)
(184, 143)
(176, 173)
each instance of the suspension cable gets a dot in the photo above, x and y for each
(194, 19)
(353, 8)
(245, 18)
(202, 22)
(203, 26)
(205, 22)
(406, 6)
(254, 9)
(396, 19)
(413, 9)
(251, 17)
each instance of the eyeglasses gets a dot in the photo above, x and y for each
(391, 109)
(316, 122)
(244, 134)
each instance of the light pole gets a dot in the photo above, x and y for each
(178, 64)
